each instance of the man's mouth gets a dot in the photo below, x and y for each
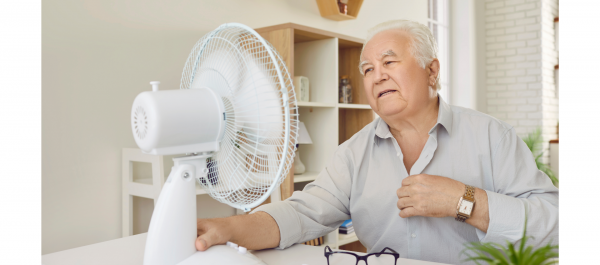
(386, 92)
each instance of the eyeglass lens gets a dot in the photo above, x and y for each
(383, 259)
(341, 259)
(348, 259)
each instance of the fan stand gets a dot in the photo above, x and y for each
(173, 227)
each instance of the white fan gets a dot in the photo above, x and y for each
(235, 117)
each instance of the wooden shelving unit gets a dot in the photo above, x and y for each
(315, 104)
(354, 106)
(323, 57)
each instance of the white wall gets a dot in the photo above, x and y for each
(463, 54)
(480, 57)
(97, 55)
(467, 54)
(520, 59)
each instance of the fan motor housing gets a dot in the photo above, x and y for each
(179, 121)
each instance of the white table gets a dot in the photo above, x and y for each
(130, 251)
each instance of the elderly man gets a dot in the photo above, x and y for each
(424, 179)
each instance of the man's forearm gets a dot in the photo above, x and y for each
(254, 231)
(480, 218)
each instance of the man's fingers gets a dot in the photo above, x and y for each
(420, 178)
(209, 233)
(403, 192)
(207, 239)
(201, 226)
(408, 212)
(201, 244)
(405, 202)
(410, 180)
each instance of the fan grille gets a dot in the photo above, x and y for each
(140, 122)
(256, 152)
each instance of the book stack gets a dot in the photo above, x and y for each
(346, 228)
(315, 242)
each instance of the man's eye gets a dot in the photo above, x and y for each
(368, 70)
(389, 62)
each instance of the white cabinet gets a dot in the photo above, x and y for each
(143, 177)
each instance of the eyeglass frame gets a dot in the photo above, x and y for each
(363, 257)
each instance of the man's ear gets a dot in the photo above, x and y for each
(434, 71)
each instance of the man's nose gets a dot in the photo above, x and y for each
(380, 76)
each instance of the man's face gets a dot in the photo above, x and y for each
(394, 82)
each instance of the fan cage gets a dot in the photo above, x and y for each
(257, 149)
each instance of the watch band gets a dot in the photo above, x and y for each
(469, 193)
(469, 196)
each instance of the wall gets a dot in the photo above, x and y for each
(463, 54)
(549, 85)
(480, 56)
(98, 55)
(520, 59)
(468, 74)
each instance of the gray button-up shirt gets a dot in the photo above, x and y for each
(361, 180)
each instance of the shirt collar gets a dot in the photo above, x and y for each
(444, 118)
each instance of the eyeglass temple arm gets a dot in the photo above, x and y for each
(325, 250)
(382, 251)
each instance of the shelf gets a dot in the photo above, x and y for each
(148, 181)
(315, 104)
(354, 106)
(306, 176)
(346, 239)
(143, 180)
(200, 191)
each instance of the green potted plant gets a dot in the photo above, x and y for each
(497, 254)
(534, 141)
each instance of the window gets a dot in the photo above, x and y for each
(438, 23)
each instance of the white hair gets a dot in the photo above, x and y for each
(423, 46)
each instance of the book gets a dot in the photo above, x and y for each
(315, 242)
(345, 236)
(347, 223)
(346, 231)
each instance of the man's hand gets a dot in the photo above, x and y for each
(212, 232)
(429, 195)
(253, 231)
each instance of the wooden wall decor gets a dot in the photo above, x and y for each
(329, 9)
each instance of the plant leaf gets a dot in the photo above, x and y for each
(494, 253)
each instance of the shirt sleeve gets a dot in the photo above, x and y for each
(519, 187)
(317, 210)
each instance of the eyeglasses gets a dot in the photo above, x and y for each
(343, 257)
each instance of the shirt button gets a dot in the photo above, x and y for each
(397, 154)
(413, 235)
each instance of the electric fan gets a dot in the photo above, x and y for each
(234, 117)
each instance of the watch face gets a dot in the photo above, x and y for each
(466, 207)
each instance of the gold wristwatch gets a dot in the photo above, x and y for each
(465, 204)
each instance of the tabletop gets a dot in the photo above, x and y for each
(130, 251)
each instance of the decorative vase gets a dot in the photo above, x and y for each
(299, 167)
